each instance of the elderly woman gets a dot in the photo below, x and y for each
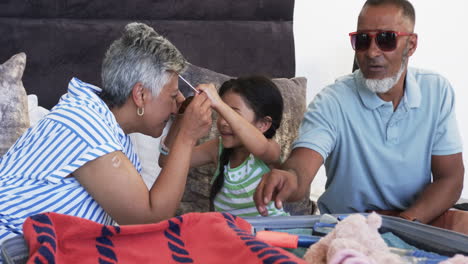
(79, 160)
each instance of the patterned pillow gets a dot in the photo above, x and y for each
(14, 118)
(294, 96)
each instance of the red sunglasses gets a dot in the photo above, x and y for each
(386, 40)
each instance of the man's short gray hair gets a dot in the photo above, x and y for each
(404, 5)
(139, 55)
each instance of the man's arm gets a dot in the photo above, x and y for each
(291, 182)
(443, 192)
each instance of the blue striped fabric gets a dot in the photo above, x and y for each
(80, 128)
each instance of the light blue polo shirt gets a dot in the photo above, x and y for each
(377, 158)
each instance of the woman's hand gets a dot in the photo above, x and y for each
(196, 121)
(210, 90)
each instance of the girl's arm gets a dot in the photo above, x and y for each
(252, 137)
(205, 153)
(202, 154)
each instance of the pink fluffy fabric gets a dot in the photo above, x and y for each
(457, 259)
(350, 256)
(358, 234)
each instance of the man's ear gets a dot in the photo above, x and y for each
(264, 124)
(413, 44)
(138, 94)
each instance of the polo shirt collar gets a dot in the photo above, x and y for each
(413, 90)
(412, 95)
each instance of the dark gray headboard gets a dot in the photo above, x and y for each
(66, 38)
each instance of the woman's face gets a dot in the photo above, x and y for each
(237, 103)
(159, 108)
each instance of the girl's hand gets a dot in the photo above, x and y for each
(212, 93)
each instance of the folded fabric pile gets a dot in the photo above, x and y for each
(353, 240)
(356, 240)
(190, 238)
(457, 259)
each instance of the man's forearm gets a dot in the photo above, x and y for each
(443, 192)
(436, 198)
(301, 192)
(303, 164)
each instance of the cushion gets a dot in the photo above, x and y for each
(146, 148)
(36, 112)
(14, 118)
(294, 96)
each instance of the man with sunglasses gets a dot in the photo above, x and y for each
(381, 131)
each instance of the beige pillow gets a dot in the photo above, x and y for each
(146, 148)
(14, 118)
(294, 96)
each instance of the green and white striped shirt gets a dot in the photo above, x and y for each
(236, 195)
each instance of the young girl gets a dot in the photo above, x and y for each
(249, 113)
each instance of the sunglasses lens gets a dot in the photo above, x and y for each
(361, 41)
(387, 40)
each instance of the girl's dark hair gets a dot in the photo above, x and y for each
(264, 98)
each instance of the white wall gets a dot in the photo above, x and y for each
(323, 51)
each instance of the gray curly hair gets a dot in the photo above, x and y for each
(139, 55)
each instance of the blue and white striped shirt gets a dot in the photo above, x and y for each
(80, 128)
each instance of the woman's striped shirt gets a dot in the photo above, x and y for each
(80, 128)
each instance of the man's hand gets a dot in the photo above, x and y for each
(276, 185)
(292, 183)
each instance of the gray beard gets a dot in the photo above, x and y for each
(383, 85)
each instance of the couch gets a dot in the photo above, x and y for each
(220, 38)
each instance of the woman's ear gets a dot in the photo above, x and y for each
(264, 124)
(138, 94)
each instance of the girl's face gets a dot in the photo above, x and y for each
(237, 103)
